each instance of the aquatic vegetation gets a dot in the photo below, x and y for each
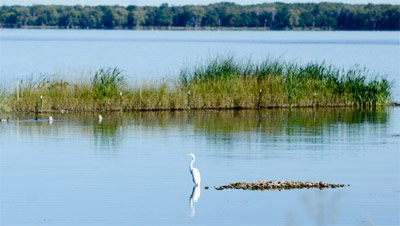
(2, 96)
(220, 83)
(107, 83)
(227, 83)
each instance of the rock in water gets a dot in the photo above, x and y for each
(278, 185)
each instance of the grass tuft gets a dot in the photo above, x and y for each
(107, 83)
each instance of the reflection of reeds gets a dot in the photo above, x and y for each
(219, 84)
(322, 208)
(283, 121)
(226, 122)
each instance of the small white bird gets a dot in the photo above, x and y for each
(50, 119)
(100, 118)
(194, 171)
(5, 119)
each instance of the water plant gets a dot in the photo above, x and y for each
(220, 83)
(107, 82)
(2, 96)
(284, 83)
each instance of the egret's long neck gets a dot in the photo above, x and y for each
(191, 163)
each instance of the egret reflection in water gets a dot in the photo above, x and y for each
(194, 197)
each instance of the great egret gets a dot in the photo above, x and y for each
(100, 118)
(194, 171)
(50, 119)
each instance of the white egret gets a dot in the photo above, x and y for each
(50, 119)
(100, 118)
(194, 171)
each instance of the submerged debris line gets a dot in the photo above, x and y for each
(278, 185)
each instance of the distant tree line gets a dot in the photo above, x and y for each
(335, 16)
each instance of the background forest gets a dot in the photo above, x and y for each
(275, 16)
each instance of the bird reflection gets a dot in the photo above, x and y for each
(50, 119)
(194, 197)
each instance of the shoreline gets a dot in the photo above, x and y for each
(66, 111)
(175, 28)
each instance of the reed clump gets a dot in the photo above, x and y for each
(2, 96)
(221, 83)
(226, 83)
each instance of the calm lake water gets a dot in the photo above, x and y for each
(130, 169)
(156, 54)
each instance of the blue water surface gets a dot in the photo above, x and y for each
(130, 169)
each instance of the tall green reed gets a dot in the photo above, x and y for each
(2, 96)
(108, 82)
(300, 82)
(222, 82)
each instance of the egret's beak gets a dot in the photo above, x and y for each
(187, 154)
